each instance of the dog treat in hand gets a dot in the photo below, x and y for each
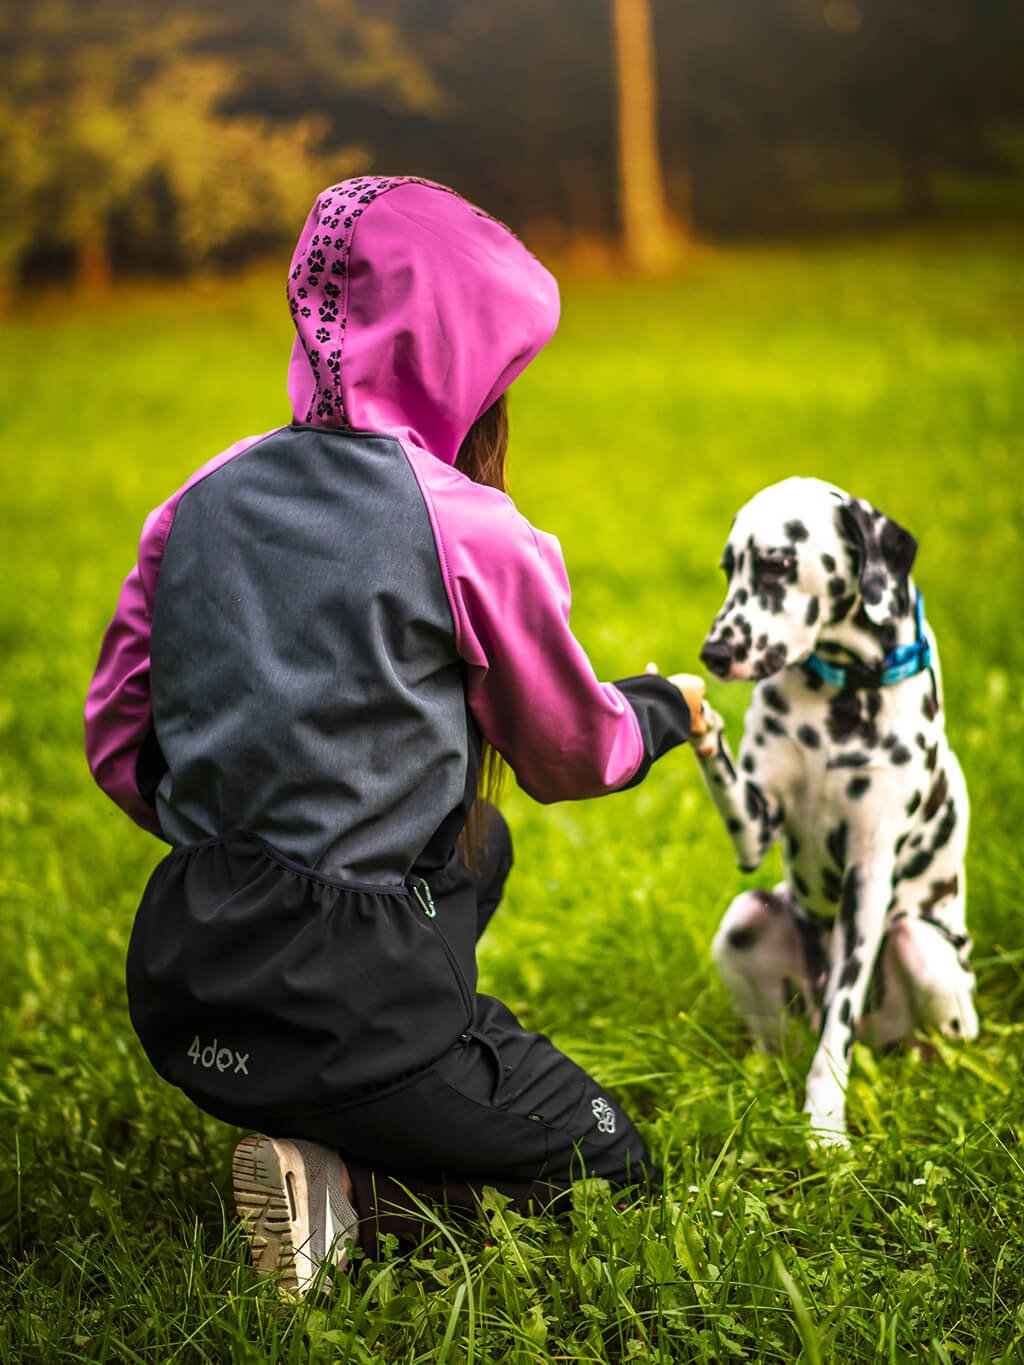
(692, 688)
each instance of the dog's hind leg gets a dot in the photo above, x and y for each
(933, 962)
(762, 954)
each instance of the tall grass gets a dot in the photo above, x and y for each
(895, 369)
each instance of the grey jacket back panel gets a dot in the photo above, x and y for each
(305, 680)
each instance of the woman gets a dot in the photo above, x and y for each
(330, 632)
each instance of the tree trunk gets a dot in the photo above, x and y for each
(93, 276)
(652, 239)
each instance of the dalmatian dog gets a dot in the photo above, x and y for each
(844, 756)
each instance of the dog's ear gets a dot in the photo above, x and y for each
(883, 554)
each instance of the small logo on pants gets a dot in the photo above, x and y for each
(604, 1114)
(223, 1058)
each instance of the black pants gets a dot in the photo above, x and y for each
(496, 1106)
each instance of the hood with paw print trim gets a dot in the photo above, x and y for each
(414, 311)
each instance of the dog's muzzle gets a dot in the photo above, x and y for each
(717, 655)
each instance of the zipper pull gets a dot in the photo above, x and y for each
(426, 900)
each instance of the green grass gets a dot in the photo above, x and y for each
(895, 369)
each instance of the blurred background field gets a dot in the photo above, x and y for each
(790, 238)
(893, 368)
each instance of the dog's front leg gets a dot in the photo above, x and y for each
(867, 891)
(750, 809)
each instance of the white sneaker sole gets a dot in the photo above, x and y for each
(272, 1199)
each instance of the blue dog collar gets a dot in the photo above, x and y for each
(904, 662)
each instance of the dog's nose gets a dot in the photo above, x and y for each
(718, 657)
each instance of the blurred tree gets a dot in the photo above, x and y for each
(651, 238)
(106, 101)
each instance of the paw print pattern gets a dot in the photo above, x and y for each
(604, 1114)
(337, 210)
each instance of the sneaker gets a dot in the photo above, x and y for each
(291, 1197)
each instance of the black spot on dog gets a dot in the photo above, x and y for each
(761, 642)
(857, 786)
(900, 842)
(939, 892)
(844, 720)
(759, 741)
(725, 760)
(901, 755)
(929, 706)
(753, 796)
(845, 1010)
(856, 759)
(773, 726)
(836, 842)
(729, 561)
(747, 763)
(813, 682)
(771, 696)
(741, 938)
(913, 803)
(875, 998)
(808, 736)
(742, 597)
(831, 885)
(936, 796)
(796, 530)
(851, 970)
(811, 615)
(931, 757)
(801, 886)
(919, 863)
(872, 585)
(836, 586)
(828, 563)
(848, 1045)
(774, 659)
(945, 829)
(734, 826)
(841, 609)
(850, 902)
(792, 845)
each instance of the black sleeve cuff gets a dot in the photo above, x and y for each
(663, 715)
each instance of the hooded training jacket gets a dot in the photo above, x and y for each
(326, 618)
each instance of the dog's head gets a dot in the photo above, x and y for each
(804, 560)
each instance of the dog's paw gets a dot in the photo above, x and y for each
(824, 1139)
(705, 740)
(827, 1132)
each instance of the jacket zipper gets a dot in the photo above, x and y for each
(425, 899)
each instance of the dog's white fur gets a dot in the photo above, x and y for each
(868, 929)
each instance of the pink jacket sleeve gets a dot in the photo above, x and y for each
(118, 716)
(531, 687)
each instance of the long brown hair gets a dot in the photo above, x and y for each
(481, 458)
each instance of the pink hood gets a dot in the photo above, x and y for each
(414, 311)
